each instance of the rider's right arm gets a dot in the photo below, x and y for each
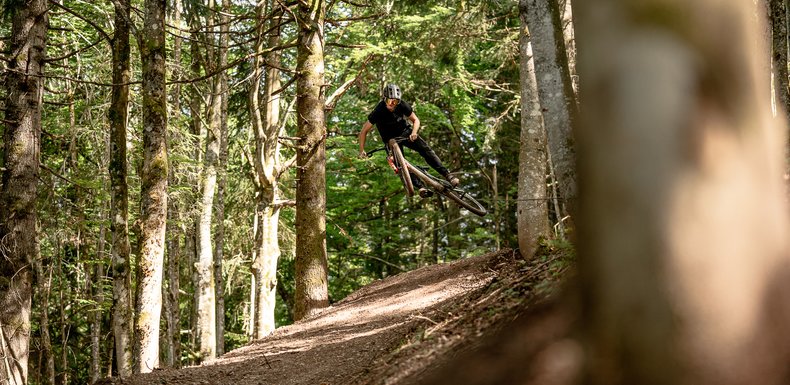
(363, 135)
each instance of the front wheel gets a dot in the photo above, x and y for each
(465, 200)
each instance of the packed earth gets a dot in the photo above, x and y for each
(491, 319)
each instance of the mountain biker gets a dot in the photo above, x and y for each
(394, 118)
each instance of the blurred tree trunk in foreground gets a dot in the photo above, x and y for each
(682, 229)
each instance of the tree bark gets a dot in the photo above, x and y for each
(171, 297)
(119, 192)
(219, 207)
(555, 92)
(532, 206)
(44, 287)
(96, 287)
(778, 18)
(311, 257)
(18, 216)
(683, 230)
(268, 168)
(198, 132)
(175, 229)
(207, 322)
(153, 192)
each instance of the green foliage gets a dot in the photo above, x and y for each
(458, 67)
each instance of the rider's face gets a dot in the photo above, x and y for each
(391, 103)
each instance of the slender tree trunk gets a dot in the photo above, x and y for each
(63, 299)
(44, 288)
(268, 168)
(119, 206)
(198, 131)
(532, 206)
(206, 284)
(555, 92)
(453, 227)
(221, 178)
(778, 18)
(683, 246)
(569, 35)
(311, 258)
(174, 230)
(154, 187)
(96, 271)
(172, 308)
(22, 139)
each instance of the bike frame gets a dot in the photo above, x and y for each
(404, 169)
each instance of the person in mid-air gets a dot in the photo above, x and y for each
(394, 118)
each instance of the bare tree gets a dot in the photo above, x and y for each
(683, 228)
(311, 294)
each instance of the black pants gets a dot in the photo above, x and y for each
(426, 152)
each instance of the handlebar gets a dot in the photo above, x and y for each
(397, 139)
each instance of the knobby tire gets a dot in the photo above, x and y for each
(465, 200)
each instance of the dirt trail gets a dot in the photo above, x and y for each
(390, 332)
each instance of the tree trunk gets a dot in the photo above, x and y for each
(267, 164)
(96, 274)
(555, 92)
(175, 233)
(532, 206)
(453, 227)
(569, 36)
(311, 258)
(22, 138)
(119, 193)
(683, 230)
(778, 18)
(44, 287)
(63, 374)
(219, 208)
(207, 326)
(198, 131)
(153, 192)
(171, 300)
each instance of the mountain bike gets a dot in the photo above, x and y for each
(404, 170)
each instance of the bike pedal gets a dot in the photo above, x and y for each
(425, 193)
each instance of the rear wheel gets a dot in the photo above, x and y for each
(465, 200)
(403, 171)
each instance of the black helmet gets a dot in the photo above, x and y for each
(391, 91)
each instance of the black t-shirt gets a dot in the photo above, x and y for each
(391, 124)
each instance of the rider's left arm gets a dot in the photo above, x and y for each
(415, 126)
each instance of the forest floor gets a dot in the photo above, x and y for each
(491, 319)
